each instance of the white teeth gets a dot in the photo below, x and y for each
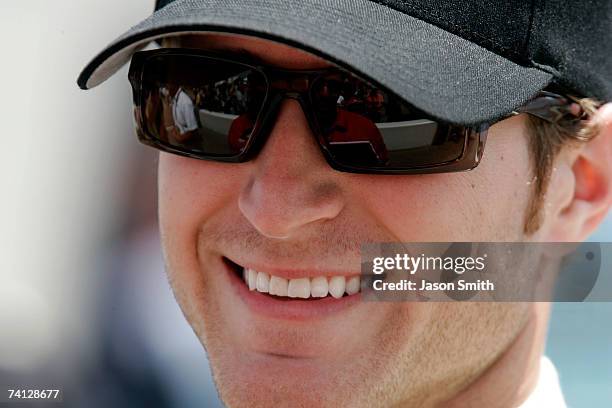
(303, 288)
(252, 279)
(299, 288)
(337, 284)
(278, 286)
(318, 286)
(353, 285)
(263, 282)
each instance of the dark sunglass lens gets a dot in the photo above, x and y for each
(364, 127)
(201, 105)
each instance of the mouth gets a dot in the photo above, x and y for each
(301, 288)
(294, 295)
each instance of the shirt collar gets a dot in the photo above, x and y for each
(547, 392)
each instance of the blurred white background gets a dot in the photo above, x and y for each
(84, 304)
(64, 153)
(83, 300)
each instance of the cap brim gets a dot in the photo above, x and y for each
(443, 74)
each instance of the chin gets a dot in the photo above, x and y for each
(269, 351)
(271, 381)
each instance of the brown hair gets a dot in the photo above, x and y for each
(546, 141)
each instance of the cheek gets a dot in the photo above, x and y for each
(190, 191)
(485, 204)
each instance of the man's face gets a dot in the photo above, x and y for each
(288, 213)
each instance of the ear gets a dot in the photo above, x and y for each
(580, 191)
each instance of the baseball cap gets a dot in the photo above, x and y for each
(463, 61)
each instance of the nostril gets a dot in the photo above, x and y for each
(277, 205)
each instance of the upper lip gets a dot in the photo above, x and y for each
(292, 272)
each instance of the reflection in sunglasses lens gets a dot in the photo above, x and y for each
(364, 126)
(208, 106)
(202, 105)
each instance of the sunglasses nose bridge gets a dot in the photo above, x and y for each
(278, 96)
(307, 110)
(271, 114)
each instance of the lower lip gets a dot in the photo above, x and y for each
(288, 308)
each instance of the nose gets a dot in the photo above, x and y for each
(291, 186)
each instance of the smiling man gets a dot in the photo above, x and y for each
(315, 127)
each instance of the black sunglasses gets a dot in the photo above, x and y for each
(221, 107)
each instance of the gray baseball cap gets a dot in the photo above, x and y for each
(464, 61)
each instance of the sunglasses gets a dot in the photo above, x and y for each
(222, 107)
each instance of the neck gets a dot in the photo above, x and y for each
(509, 381)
